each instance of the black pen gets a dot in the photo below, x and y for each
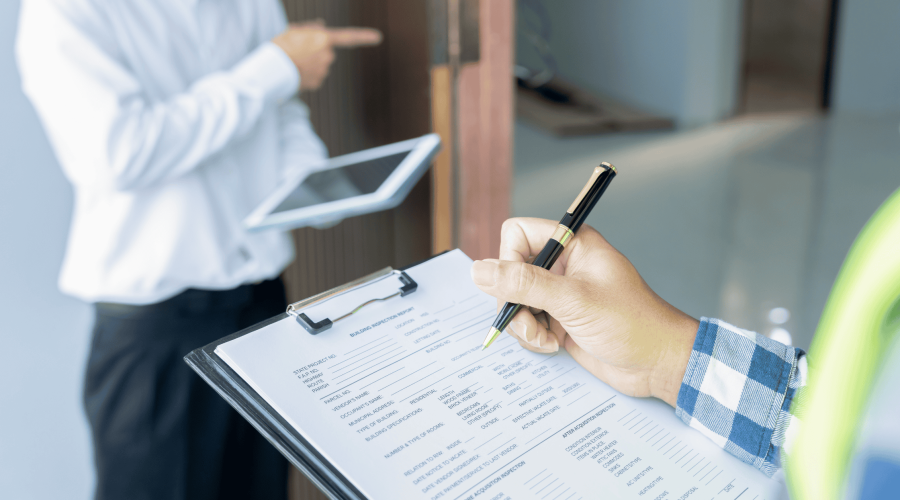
(565, 231)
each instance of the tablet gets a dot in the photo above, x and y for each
(358, 183)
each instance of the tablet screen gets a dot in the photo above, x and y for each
(342, 182)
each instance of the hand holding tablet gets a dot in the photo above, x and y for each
(358, 183)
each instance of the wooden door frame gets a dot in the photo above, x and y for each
(473, 111)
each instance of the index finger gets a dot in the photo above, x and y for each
(523, 237)
(353, 37)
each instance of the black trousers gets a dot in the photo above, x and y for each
(159, 431)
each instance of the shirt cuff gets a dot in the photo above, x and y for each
(737, 391)
(269, 69)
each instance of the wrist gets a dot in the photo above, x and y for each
(668, 373)
(271, 70)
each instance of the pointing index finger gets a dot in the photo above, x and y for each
(354, 37)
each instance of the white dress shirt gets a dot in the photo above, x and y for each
(173, 119)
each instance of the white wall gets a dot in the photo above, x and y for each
(44, 440)
(867, 66)
(678, 58)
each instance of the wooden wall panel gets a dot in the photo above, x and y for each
(444, 192)
(485, 96)
(373, 96)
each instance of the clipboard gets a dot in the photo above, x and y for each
(252, 373)
(265, 419)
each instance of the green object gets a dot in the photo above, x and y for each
(850, 340)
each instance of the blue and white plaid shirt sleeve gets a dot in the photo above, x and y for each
(738, 390)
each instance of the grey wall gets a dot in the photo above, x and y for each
(867, 66)
(44, 441)
(678, 58)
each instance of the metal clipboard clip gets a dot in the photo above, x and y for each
(408, 286)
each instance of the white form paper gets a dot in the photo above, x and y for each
(403, 401)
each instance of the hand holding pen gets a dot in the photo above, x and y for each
(569, 224)
(595, 305)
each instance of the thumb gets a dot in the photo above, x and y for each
(522, 283)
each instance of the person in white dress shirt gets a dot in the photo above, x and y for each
(173, 119)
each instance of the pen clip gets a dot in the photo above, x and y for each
(408, 286)
(603, 167)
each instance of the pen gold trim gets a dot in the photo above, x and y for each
(562, 234)
(587, 187)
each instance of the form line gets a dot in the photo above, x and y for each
(546, 486)
(579, 397)
(397, 361)
(677, 452)
(501, 446)
(367, 343)
(667, 443)
(452, 373)
(709, 472)
(623, 416)
(548, 359)
(558, 486)
(686, 454)
(539, 435)
(660, 439)
(488, 441)
(701, 469)
(360, 354)
(463, 312)
(444, 309)
(563, 493)
(371, 366)
(542, 385)
(382, 378)
(541, 481)
(532, 479)
(421, 379)
(403, 377)
(637, 423)
(365, 366)
(335, 372)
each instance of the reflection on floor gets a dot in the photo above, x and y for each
(733, 221)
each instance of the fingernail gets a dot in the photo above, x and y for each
(518, 329)
(483, 272)
(528, 333)
(548, 342)
(551, 347)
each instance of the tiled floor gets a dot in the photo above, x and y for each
(729, 221)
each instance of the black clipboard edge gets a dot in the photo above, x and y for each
(268, 422)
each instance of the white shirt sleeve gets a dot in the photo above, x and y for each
(98, 117)
(301, 148)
